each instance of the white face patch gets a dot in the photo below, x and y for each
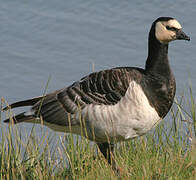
(163, 34)
(174, 23)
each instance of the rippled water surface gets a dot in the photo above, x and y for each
(68, 39)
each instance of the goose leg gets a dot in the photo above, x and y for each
(108, 151)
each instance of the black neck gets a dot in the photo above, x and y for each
(157, 61)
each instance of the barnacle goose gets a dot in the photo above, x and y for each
(115, 104)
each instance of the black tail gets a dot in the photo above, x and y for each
(28, 102)
(20, 118)
(48, 107)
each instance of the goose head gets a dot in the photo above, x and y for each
(168, 29)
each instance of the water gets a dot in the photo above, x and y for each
(66, 39)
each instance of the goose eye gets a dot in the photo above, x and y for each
(168, 28)
(171, 28)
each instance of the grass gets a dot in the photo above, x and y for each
(167, 152)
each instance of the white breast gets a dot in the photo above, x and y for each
(132, 116)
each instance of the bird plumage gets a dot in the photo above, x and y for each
(115, 104)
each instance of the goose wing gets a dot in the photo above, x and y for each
(104, 87)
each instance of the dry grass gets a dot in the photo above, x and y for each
(168, 152)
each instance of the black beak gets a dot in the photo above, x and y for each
(181, 35)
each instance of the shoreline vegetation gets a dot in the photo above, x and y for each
(166, 152)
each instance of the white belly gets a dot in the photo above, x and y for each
(132, 116)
